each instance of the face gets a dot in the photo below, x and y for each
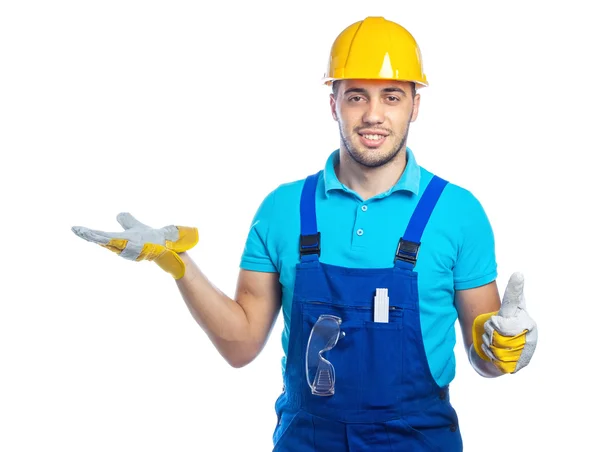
(374, 118)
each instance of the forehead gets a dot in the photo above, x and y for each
(373, 85)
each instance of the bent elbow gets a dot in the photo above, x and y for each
(237, 362)
(239, 358)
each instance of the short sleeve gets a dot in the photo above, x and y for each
(256, 255)
(476, 261)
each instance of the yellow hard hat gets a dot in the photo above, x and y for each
(375, 48)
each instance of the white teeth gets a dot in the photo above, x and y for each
(373, 137)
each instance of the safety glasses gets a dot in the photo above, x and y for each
(320, 373)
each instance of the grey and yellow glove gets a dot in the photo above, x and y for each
(140, 242)
(508, 337)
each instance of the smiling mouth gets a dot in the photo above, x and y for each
(372, 140)
(372, 137)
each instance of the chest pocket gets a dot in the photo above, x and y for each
(366, 358)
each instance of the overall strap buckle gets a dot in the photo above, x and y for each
(407, 251)
(310, 244)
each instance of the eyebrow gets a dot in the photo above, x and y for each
(394, 89)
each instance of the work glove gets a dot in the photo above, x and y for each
(140, 242)
(507, 337)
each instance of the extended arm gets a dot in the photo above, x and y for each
(239, 327)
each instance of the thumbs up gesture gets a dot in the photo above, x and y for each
(508, 337)
(140, 242)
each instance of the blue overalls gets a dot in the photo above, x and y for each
(385, 396)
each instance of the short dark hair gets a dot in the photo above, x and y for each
(335, 87)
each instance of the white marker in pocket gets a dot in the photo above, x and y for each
(382, 306)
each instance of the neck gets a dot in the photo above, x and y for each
(369, 182)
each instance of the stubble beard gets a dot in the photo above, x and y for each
(377, 160)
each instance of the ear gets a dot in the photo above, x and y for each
(416, 105)
(332, 104)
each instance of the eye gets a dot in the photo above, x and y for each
(393, 98)
(354, 99)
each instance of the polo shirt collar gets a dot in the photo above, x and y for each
(409, 181)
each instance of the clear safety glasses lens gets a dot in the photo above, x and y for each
(320, 373)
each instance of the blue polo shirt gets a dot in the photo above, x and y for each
(457, 249)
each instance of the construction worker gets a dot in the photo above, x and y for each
(372, 260)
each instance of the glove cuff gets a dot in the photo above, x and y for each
(165, 258)
(479, 331)
(484, 368)
(170, 262)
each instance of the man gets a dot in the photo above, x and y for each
(372, 260)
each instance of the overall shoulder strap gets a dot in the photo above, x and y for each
(310, 237)
(408, 247)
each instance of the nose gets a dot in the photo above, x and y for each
(374, 113)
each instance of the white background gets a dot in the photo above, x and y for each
(190, 114)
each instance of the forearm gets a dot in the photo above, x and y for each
(222, 319)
